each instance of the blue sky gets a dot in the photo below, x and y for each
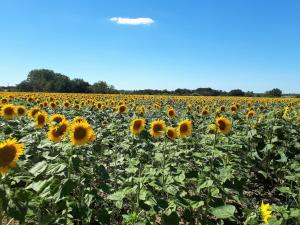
(223, 44)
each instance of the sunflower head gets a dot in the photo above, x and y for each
(250, 114)
(79, 119)
(171, 113)
(57, 132)
(212, 129)
(66, 104)
(41, 119)
(223, 125)
(137, 126)
(81, 133)
(33, 112)
(57, 118)
(172, 133)
(222, 108)
(10, 152)
(157, 128)
(205, 112)
(8, 111)
(233, 108)
(21, 110)
(122, 108)
(184, 128)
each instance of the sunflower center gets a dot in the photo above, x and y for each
(80, 133)
(171, 134)
(122, 108)
(7, 154)
(222, 125)
(21, 111)
(57, 119)
(41, 119)
(8, 111)
(137, 124)
(184, 128)
(157, 128)
(61, 129)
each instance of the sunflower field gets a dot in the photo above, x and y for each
(133, 160)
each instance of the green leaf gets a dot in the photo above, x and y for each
(171, 219)
(38, 168)
(223, 212)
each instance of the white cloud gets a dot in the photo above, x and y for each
(132, 21)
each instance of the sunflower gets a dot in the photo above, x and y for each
(81, 133)
(33, 112)
(79, 119)
(57, 118)
(212, 129)
(157, 128)
(172, 133)
(137, 126)
(233, 108)
(265, 212)
(171, 113)
(205, 112)
(10, 152)
(250, 114)
(66, 104)
(223, 124)
(41, 119)
(122, 109)
(9, 111)
(184, 128)
(56, 133)
(222, 108)
(53, 104)
(21, 110)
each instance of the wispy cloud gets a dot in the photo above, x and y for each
(132, 21)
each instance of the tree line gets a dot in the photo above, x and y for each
(44, 80)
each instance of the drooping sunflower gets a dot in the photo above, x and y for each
(184, 128)
(172, 133)
(10, 151)
(41, 119)
(265, 212)
(81, 133)
(157, 128)
(137, 126)
(171, 113)
(21, 110)
(224, 125)
(56, 133)
(57, 118)
(8, 111)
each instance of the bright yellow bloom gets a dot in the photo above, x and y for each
(265, 212)
(10, 152)
(184, 128)
(171, 113)
(137, 126)
(41, 119)
(9, 111)
(81, 133)
(223, 124)
(157, 128)
(56, 133)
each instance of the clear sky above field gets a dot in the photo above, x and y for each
(159, 44)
